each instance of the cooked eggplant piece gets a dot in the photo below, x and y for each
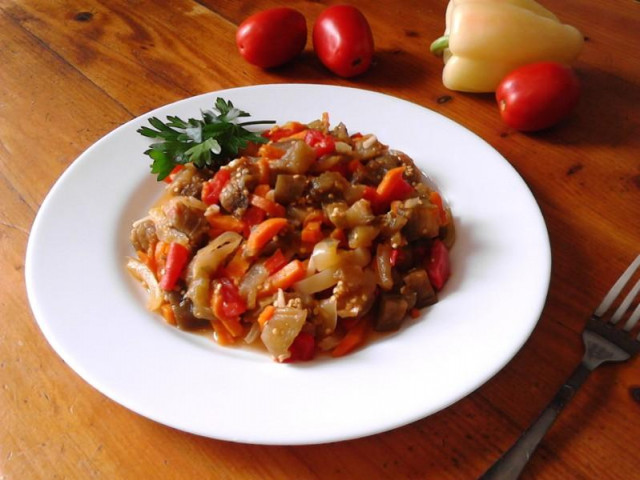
(423, 222)
(392, 308)
(188, 181)
(181, 308)
(328, 186)
(418, 281)
(289, 188)
(298, 157)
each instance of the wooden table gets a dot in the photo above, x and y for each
(71, 71)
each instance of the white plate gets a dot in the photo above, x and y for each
(93, 314)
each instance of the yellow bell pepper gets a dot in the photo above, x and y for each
(486, 39)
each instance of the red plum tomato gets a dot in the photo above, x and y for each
(343, 41)
(272, 37)
(537, 96)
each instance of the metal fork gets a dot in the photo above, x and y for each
(604, 342)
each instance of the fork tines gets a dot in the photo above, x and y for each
(625, 305)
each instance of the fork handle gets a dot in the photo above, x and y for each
(511, 464)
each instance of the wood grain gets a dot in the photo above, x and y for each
(73, 70)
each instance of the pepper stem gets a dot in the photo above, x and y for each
(438, 46)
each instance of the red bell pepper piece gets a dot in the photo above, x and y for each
(275, 262)
(230, 303)
(438, 266)
(177, 258)
(211, 189)
(322, 144)
(302, 349)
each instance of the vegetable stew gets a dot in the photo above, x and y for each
(304, 244)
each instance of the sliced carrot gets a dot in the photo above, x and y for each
(353, 339)
(222, 335)
(265, 315)
(263, 233)
(393, 186)
(233, 326)
(292, 272)
(237, 266)
(273, 209)
(226, 223)
(312, 232)
(167, 314)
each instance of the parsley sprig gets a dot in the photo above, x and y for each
(211, 142)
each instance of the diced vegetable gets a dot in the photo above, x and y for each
(391, 311)
(203, 265)
(252, 217)
(312, 232)
(362, 236)
(325, 254)
(359, 214)
(237, 266)
(393, 186)
(140, 271)
(383, 266)
(263, 233)
(286, 277)
(225, 223)
(438, 266)
(353, 339)
(275, 262)
(266, 315)
(418, 281)
(318, 282)
(227, 302)
(297, 159)
(251, 282)
(302, 349)
(177, 259)
(277, 133)
(289, 188)
(211, 190)
(271, 208)
(321, 143)
(281, 330)
(328, 313)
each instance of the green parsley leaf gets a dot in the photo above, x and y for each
(210, 142)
